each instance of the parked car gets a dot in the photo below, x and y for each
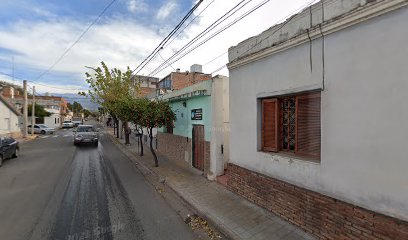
(9, 148)
(86, 134)
(41, 129)
(68, 124)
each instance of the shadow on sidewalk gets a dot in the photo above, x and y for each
(233, 215)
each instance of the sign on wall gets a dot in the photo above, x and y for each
(197, 114)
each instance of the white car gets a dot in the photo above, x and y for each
(68, 124)
(41, 128)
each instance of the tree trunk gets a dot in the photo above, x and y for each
(141, 142)
(127, 133)
(117, 127)
(156, 162)
(114, 126)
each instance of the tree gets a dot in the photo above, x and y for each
(40, 112)
(112, 89)
(156, 114)
(75, 107)
(138, 109)
(86, 112)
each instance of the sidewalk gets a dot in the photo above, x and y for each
(233, 215)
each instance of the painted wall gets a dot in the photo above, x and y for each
(219, 132)
(9, 124)
(184, 125)
(363, 117)
(54, 120)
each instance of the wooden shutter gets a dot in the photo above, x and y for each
(270, 125)
(308, 124)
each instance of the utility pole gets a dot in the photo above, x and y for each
(25, 110)
(33, 113)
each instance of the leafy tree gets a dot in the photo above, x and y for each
(156, 114)
(86, 112)
(39, 111)
(137, 110)
(75, 107)
(112, 89)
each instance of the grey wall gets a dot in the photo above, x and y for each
(364, 158)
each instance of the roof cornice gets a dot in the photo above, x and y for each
(328, 27)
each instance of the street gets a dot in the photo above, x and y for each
(55, 190)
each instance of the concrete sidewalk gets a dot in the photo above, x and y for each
(233, 215)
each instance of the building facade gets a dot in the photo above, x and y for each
(199, 136)
(146, 84)
(178, 80)
(317, 131)
(9, 119)
(57, 106)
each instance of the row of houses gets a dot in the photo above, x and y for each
(12, 101)
(311, 123)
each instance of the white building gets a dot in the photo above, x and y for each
(9, 119)
(318, 123)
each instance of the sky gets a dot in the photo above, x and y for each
(35, 33)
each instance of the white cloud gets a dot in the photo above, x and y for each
(166, 10)
(137, 6)
(122, 42)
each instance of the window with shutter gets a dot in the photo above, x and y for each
(308, 124)
(270, 125)
(292, 124)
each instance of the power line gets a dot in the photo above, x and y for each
(167, 38)
(199, 14)
(288, 18)
(157, 70)
(218, 69)
(212, 60)
(165, 60)
(76, 41)
(221, 19)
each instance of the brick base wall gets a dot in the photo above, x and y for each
(320, 215)
(207, 157)
(174, 148)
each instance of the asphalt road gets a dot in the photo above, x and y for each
(55, 190)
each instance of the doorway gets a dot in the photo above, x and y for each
(198, 147)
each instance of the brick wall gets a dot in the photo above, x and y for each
(207, 156)
(182, 80)
(144, 91)
(174, 147)
(320, 215)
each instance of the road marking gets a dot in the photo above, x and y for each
(68, 135)
(44, 136)
(55, 136)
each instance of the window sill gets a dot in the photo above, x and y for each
(292, 157)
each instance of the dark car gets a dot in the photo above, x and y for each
(86, 134)
(8, 148)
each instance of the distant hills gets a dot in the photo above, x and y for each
(70, 97)
(84, 101)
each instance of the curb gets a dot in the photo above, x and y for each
(218, 225)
